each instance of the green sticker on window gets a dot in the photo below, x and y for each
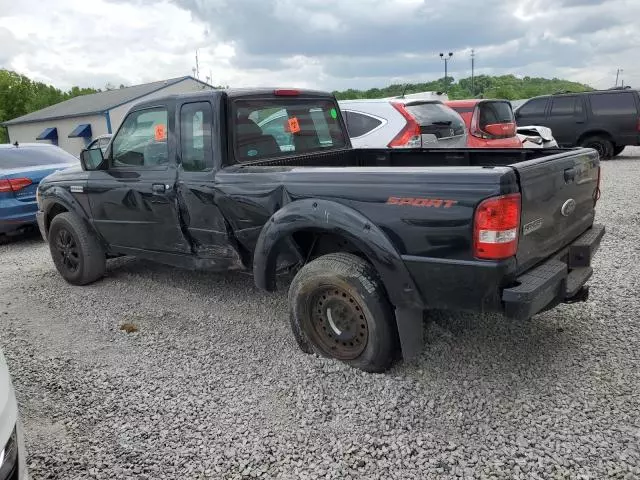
(334, 114)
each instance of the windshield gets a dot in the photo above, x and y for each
(271, 127)
(34, 156)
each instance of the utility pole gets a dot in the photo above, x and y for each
(473, 64)
(197, 66)
(446, 62)
(618, 72)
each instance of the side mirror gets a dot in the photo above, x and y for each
(91, 159)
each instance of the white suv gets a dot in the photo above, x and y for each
(403, 123)
(12, 454)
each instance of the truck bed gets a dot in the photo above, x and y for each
(413, 158)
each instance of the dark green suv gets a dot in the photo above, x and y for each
(606, 120)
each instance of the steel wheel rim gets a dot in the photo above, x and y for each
(67, 250)
(338, 323)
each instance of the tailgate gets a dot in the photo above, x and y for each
(558, 200)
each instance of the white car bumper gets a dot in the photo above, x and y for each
(12, 451)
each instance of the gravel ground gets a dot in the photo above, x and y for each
(212, 386)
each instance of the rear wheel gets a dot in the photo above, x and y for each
(601, 144)
(338, 309)
(617, 150)
(76, 252)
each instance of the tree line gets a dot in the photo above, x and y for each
(507, 87)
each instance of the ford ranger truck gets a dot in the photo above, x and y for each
(266, 181)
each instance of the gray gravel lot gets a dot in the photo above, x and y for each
(212, 386)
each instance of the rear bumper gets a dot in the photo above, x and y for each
(15, 214)
(561, 279)
(478, 286)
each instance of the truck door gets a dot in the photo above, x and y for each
(196, 188)
(133, 201)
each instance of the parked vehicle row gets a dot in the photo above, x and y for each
(375, 236)
(606, 120)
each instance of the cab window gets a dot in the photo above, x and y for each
(142, 140)
(267, 128)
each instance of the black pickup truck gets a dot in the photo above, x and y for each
(267, 181)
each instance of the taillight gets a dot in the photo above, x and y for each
(409, 136)
(14, 184)
(496, 225)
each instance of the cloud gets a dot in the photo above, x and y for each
(329, 44)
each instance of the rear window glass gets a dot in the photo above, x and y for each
(359, 124)
(435, 116)
(17, 157)
(271, 127)
(613, 104)
(492, 113)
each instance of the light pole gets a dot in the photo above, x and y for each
(446, 62)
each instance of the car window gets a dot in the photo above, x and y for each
(533, 108)
(492, 113)
(563, 106)
(195, 137)
(359, 124)
(142, 140)
(33, 156)
(272, 127)
(613, 104)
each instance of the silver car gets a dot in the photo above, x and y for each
(403, 123)
(12, 453)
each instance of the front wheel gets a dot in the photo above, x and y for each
(339, 309)
(76, 252)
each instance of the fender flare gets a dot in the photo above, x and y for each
(333, 217)
(58, 195)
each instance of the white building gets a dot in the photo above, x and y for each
(72, 124)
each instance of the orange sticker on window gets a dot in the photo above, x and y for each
(294, 125)
(160, 132)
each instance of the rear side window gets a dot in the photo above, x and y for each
(18, 157)
(533, 108)
(359, 124)
(437, 118)
(492, 113)
(613, 104)
(563, 106)
(272, 127)
(195, 137)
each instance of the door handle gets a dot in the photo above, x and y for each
(158, 188)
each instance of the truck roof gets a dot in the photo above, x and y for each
(241, 92)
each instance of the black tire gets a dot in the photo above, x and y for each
(601, 144)
(617, 150)
(363, 333)
(76, 252)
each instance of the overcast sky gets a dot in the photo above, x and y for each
(327, 44)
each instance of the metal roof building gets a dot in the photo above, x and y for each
(73, 123)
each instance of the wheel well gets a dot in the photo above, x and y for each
(53, 211)
(594, 133)
(313, 244)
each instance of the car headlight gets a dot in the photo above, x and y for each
(9, 457)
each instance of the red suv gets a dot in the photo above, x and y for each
(491, 123)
